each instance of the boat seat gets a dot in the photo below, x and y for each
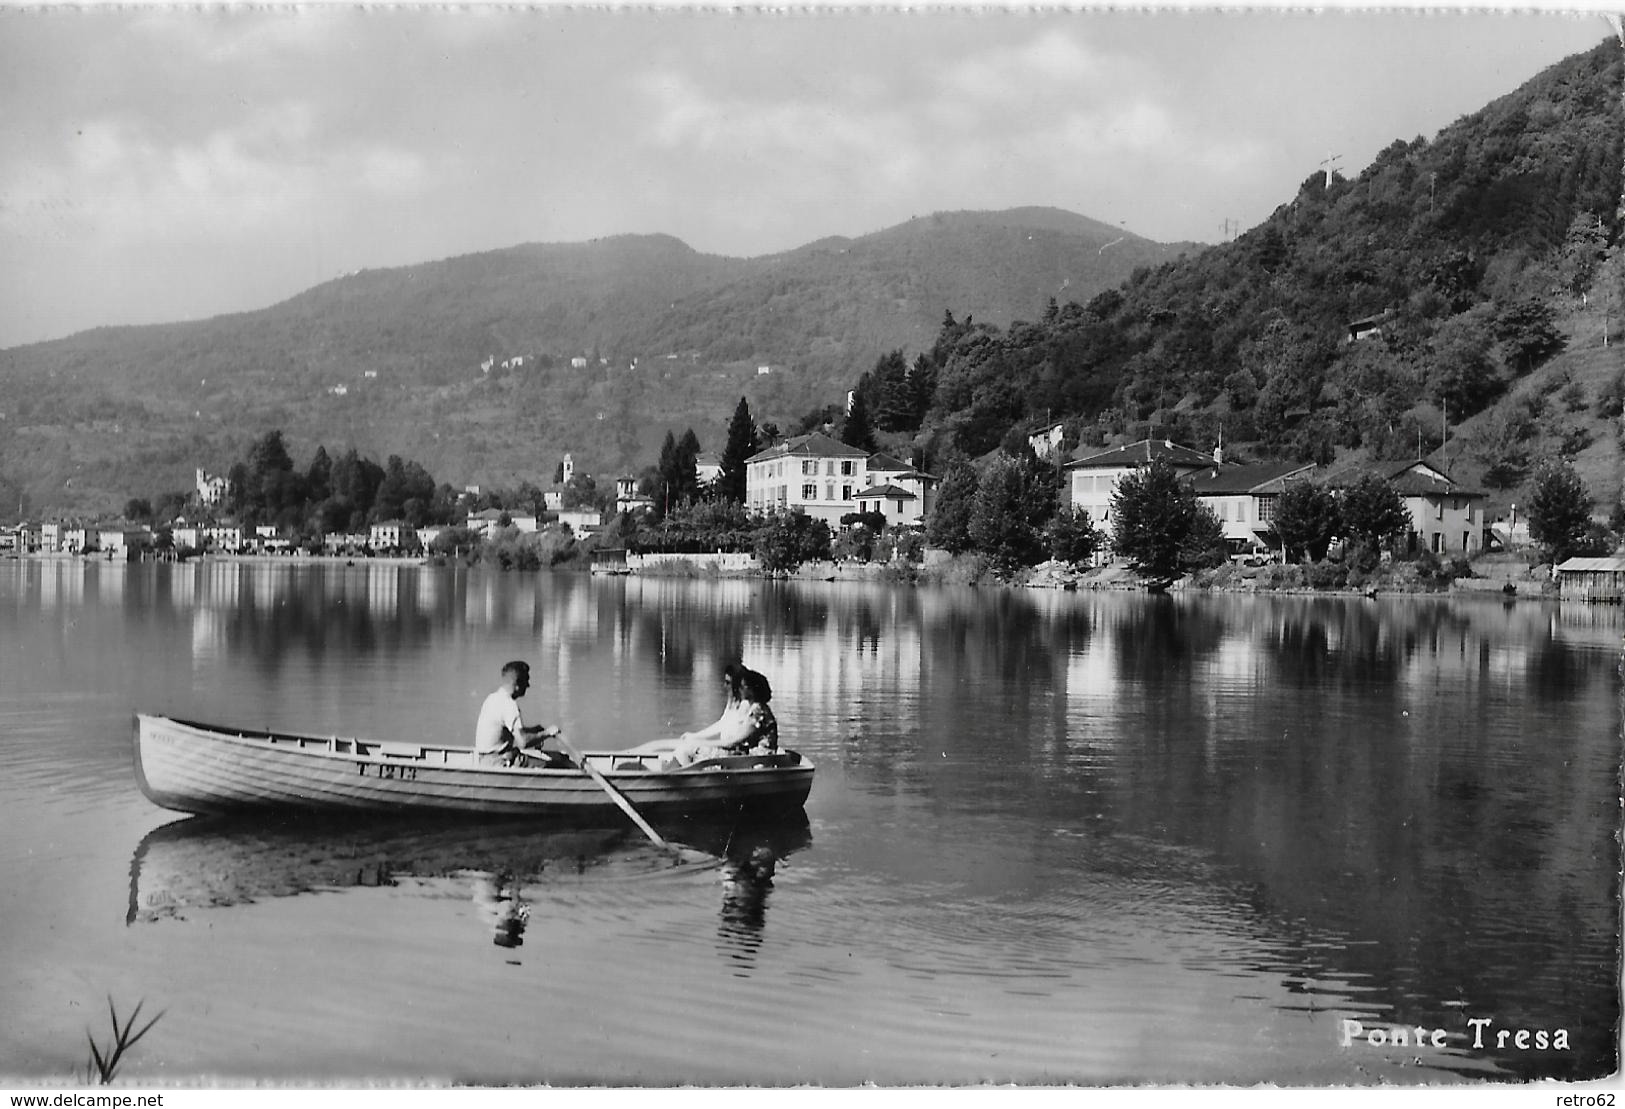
(397, 751)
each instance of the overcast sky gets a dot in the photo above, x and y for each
(162, 164)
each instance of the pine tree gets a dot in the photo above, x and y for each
(855, 431)
(741, 445)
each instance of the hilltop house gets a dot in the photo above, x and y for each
(1446, 518)
(211, 489)
(1092, 479)
(899, 492)
(812, 473)
(627, 497)
(1243, 498)
(1047, 440)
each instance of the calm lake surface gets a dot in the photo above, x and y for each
(1054, 837)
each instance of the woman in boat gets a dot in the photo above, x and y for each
(746, 723)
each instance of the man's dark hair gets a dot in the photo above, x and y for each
(516, 667)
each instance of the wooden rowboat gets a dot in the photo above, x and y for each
(206, 768)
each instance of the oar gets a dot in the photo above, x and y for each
(614, 794)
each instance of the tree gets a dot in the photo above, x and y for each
(1559, 509)
(1204, 545)
(319, 477)
(138, 508)
(949, 524)
(1462, 376)
(741, 445)
(855, 431)
(1013, 502)
(1153, 514)
(1528, 333)
(787, 539)
(677, 478)
(1073, 537)
(1373, 512)
(1581, 254)
(1306, 519)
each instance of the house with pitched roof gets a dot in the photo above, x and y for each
(1446, 518)
(902, 493)
(1243, 497)
(812, 473)
(1092, 478)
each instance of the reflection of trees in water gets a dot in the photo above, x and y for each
(1160, 644)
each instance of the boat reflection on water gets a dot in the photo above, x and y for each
(199, 863)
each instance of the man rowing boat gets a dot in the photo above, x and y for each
(501, 732)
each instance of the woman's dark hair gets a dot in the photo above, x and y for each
(745, 684)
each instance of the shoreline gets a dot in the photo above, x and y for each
(1526, 587)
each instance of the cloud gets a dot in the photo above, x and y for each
(120, 180)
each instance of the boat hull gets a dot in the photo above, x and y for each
(201, 768)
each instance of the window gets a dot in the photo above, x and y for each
(809, 466)
(1438, 541)
(829, 490)
(809, 492)
(1438, 509)
(846, 469)
(846, 492)
(829, 469)
(1266, 510)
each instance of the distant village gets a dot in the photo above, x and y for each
(828, 480)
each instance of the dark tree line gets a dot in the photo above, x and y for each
(333, 495)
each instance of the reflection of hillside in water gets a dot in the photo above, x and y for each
(1420, 781)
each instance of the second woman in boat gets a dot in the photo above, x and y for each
(746, 724)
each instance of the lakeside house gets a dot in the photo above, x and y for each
(123, 543)
(392, 535)
(1244, 497)
(812, 473)
(903, 494)
(1092, 479)
(1446, 518)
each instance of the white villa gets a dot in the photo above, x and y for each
(1244, 498)
(211, 488)
(813, 474)
(1092, 479)
(898, 491)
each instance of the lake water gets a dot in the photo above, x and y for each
(1054, 837)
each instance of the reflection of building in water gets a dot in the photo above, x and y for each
(208, 633)
(428, 589)
(480, 601)
(383, 591)
(183, 583)
(497, 900)
(62, 583)
(574, 613)
(825, 665)
(110, 583)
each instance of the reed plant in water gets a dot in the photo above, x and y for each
(103, 1063)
